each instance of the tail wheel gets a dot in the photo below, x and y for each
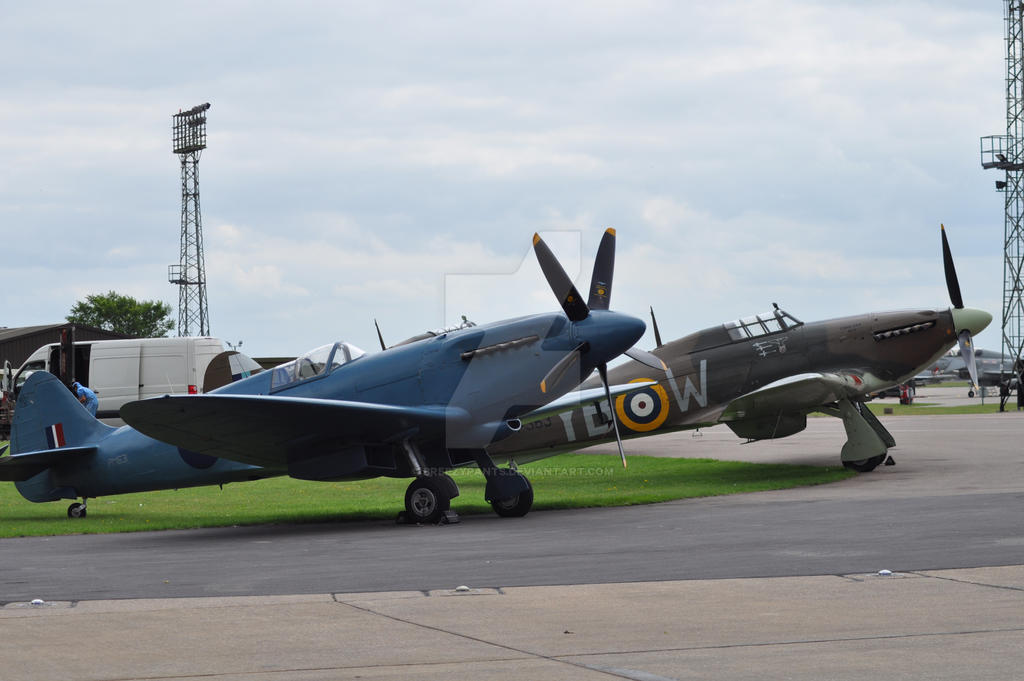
(76, 510)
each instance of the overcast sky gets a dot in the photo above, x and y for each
(392, 160)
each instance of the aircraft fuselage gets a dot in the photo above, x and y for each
(709, 369)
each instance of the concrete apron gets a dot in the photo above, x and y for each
(948, 624)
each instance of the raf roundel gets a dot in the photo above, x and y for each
(645, 409)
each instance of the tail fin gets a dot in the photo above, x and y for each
(47, 416)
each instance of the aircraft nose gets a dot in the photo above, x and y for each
(610, 333)
(971, 319)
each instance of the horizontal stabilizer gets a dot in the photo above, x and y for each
(580, 398)
(24, 466)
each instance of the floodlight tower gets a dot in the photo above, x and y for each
(1006, 153)
(189, 136)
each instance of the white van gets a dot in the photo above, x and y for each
(121, 371)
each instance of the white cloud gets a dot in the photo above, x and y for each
(364, 158)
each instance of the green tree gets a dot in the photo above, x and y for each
(123, 314)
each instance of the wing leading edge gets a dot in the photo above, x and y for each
(793, 393)
(579, 398)
(261, 430)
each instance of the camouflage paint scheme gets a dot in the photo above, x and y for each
(761, 387)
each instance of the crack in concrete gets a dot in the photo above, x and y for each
(765, 644)
(527, 653)
(1003, 587)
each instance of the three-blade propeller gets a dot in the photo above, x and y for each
(956, 299)
(577, 310)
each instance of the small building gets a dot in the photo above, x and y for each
(16, 344)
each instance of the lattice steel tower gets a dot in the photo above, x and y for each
(189, 134)
(1006, 153)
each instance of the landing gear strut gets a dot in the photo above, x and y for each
(508, 491)
(77, 510)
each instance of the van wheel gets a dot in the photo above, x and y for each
(76, 510)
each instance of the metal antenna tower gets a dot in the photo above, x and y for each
(189, 136)
(1006, 153)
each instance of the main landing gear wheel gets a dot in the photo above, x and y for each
(517, 506)
(865, 465)
(76, 510)
(427, 499)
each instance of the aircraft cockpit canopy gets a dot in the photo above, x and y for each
(321, 360)
(761, 324)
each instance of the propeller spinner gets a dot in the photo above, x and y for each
(603, 334)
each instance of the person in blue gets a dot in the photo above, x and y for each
(86, 397)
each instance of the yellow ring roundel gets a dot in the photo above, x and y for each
(644, 409)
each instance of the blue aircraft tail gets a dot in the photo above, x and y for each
(48, 417)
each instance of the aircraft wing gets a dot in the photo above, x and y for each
(261, 430)
(579, 398)
(23, 466)
(793, 393)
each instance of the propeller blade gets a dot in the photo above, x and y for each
(646, 358)
(657, 334)
(967, 353)
(380, 336)
(604, 268)
(603, 370)
(557, 372)
(568, 297)
(952, 283)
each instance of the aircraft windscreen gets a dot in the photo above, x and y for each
(321, 360)
(761, 325)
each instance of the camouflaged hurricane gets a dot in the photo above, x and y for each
(762, 375)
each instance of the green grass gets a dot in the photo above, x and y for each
(567, 481)
(991, 406)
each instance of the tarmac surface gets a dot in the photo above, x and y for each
(777, 585)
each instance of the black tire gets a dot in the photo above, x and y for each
(517, 506)
(76, 510)
(865, 465)
(426, 500)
